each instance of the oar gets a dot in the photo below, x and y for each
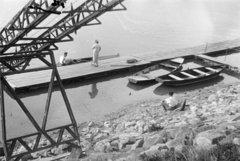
(121, 65)
(108, 57)
(88, 59)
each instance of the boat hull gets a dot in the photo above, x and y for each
(145, 75)
(189, 80)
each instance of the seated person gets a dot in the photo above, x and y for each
(172, 103)
(67, 61)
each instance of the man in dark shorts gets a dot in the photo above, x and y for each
(172, 103)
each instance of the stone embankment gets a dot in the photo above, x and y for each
(211, 119)
(144, 131)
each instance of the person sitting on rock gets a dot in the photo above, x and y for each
(172, 103)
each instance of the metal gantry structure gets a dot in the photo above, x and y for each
(17, 50)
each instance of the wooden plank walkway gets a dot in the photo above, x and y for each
(85, 70)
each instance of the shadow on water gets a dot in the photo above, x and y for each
(163, 90)
(141, 86)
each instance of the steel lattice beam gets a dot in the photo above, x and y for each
(84, 15)
(23, 19)
(10, 145)
(75, 19)
(16, 62)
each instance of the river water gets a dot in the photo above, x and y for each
(147, 26)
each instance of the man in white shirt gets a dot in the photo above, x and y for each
(67, 61)
(96, 49)
(172, 103)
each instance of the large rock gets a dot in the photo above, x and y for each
(26, 157)
(158, 147)
(100, 136)
(236, 118)
(209, 137)
(152, 140)
(204, 128)
(176, 144)
(129, 123)
(227, 140)
(107, 124)
(102, 146)
(203, 141)
(119, 128)
(140, 123)
(212, 98)
(169, 134)
(55, 150)
(236, 141)
(125, 139)
(94, 130)
(76, 153)
(137, 144)
(186, 135)
(86, 144)
(150, 154)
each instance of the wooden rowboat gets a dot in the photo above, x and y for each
(191, 76)
(150, 73)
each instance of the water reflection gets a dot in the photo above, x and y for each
(94, 91)
(141, 86)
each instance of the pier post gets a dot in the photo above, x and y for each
(3, 121)
(206, 47)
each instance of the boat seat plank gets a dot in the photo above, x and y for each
(214, 70)
(187, 74)
(201, 72)
(168, 65)
(175, 77)
(177, 60)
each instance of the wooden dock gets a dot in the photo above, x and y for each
(211, 59)
(111, 66)
(80, 71)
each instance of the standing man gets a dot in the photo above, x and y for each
(96, 49)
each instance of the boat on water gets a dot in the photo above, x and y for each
(150, 73)
(191, 76)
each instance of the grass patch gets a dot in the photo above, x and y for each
(227, 152)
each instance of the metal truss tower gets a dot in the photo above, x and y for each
(17, 50)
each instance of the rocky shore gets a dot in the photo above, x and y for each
(208, 129)
(209, 125)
